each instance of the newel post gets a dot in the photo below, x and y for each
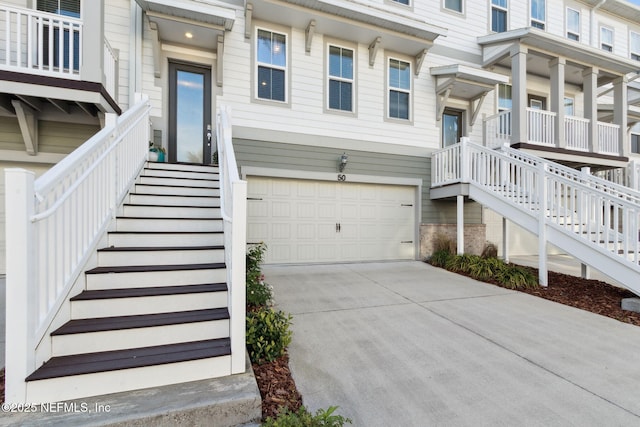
(20, 292)
(542, 228)
(238, 278)
(464, 159)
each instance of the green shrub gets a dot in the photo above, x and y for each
(303, 418)
(490, 251)
(259, 294)
(442, 242)
(268, 334)
(485, 268)
(440, 258)
(462, 263)
(514, 277)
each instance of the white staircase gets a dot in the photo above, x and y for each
(595, 221)
(154, 311)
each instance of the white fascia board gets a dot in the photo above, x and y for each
(469, 73)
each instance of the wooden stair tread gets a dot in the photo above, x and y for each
(131, 358)
(176, 186)
(158, 248)
(144, 268)
(162, 218)
(170, 206)
(173, 195)
(103, 324)
(145, 175)
(149, 291)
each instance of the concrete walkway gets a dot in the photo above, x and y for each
(406, 344)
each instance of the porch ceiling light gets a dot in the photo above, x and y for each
(188, 35)
(343, 162)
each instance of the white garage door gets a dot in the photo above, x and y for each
(321, 221)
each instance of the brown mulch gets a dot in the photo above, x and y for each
(277, 388)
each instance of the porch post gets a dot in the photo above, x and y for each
(542, 226)
(620, 108)
(92, 60)
(505, 239)
(460, 223)
(590, 85)
(557, 99)
(519, 94)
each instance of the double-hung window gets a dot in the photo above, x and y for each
(569, 106)
(455, 5)
(635, 143)
(66, 36)
(340, 78)
(573, 24)
(405, 2)
(271, 65)
(606, 39)
(634, 45)
(539, 13)
(499, 10)
(399, 86)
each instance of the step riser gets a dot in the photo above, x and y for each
(155, 278)
(177, 191)
(185, 168)
(149, 224)
(171, 212)
(179, 182)
(80, 386)
(147, 305)
(181, 174)
(160, 240)
(64, 345)
(140, 199)
(123, 258)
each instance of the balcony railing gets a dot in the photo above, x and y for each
(541, 127)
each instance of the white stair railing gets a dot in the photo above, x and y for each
(53, 226)
(233, 202)
(577, 206)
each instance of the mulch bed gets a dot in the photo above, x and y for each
(277, 388)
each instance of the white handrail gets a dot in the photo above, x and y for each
(233, 208)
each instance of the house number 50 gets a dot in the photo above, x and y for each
(342, 177)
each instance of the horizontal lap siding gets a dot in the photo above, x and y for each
(321, 159)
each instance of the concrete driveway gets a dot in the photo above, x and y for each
(406, 344)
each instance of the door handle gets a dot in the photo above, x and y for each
(209, 135)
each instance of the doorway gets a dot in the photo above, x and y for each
(451, 127)
(190, 127)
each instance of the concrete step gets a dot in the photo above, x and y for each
(179, 181)
(99, 334)
(159, 239)
(173, 200)
(159, 256)
(101, 278)
(158, 211)
(176, 190)
(167, 224)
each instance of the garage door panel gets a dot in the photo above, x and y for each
(306, 210)
(281, 231)
(327, 252)
(348, 211)
(257, 232)
(281, 209)
(367, 192)
(306, 189)
(306, 253)
(258, 209)
(306, 231)
(279, 252)
(326, 190)
(282, 188)
(326, 211)
(327, 231)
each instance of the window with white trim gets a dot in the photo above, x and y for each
(504, 97)
(634, 45)
(573, 24)
(569, 106)
(635, 143)
(405, 2)
(60, 7)
(455, 5)
(399, 89)
(271, 65)
(341, 79)
(539, 14)
(67, 36)
(606, 39)
(499, 15)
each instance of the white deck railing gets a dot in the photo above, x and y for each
(39, 42)
(53, 226)
(608, 138)
(576, 132)
(497, 129)
(233, 202)
(607, 220)
(540, 127)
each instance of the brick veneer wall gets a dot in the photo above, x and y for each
(474, 237)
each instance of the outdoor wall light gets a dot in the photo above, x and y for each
(343, 162)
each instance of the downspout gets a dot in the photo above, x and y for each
(592, 24)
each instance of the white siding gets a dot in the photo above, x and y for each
(117, 29)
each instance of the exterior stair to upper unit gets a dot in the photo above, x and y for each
(155, 308)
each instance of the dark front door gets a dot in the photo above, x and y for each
(190, 126)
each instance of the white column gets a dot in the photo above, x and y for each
(92, 61)
(557, 99)
(542, 228)
(460, 223)
(519, 94)
(505, 239)
(20, 285)
(590, 85)
(620, 108)
(238, 277)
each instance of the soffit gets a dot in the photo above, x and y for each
(466, 82)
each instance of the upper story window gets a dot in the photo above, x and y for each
(539, 13)
(634, 45)
(606, 39)
(569, 106)
(455, 5)
(61, 7)
(499, 11)
(573, 24)
(340, 78)
(635, 143)
(405, 2)
(399, 87)
(271, 65)
(504, 97)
